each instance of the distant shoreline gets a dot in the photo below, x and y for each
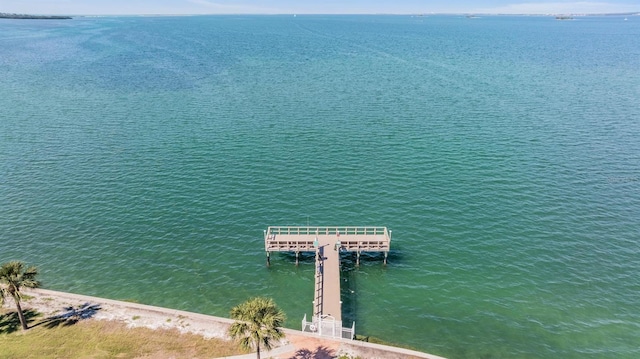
(34, 17)
(467, 14)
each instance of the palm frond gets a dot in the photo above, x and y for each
(13, 276)
(257, 323)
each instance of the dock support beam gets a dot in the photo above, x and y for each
(357, 258)
(268, 259)
(297, 255)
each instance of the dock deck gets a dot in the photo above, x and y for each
(352, 239)
(327, 243)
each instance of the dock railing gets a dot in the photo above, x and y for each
(354, 231)
(327, 326)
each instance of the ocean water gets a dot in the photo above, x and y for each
(142, 158)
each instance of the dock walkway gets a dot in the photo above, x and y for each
(327, 243)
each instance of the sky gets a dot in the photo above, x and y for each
(135, 7)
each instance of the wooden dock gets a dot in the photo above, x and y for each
(327, 243)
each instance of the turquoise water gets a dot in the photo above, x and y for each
(141, 158)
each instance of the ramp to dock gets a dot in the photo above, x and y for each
(327, 288)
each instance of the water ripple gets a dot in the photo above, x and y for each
(141, 158)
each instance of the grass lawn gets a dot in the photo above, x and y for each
(92, 338)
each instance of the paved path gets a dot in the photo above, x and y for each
(275, 353)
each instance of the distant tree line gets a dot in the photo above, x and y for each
(33, 17)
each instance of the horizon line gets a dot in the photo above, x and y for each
(629, 13)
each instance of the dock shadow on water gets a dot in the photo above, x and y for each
(303, 257)
(10, 322)
(71, 315)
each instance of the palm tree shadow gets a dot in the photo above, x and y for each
(71, 316)
(10, 322)
(321, 352)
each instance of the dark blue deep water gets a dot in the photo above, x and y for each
(142, 157)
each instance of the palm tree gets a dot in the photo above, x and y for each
(14, 276)
(258, 323)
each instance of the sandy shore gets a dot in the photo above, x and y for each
(296, 345)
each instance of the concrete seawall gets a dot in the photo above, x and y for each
(134, 314)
